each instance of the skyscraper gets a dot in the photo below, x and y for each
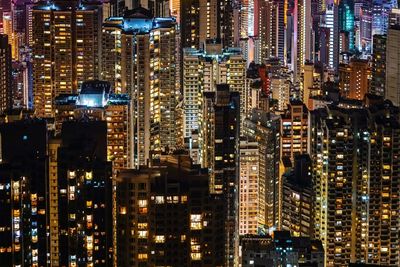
(23, 193)
(331, 23)
(219, 152)
(297, 198)
(265, 128)
(66, 49)
(248, 187)
(281, 249)
(166, 216)
(84, 185)
(346, 23)
(5, 77)
(202, 71)
(159, 8)
(207, 19)
(354, 78)
(280, 89)
(96, 102)
(294, 130)
(189, 24)
(303, 45)
(366, 38)
(392, 91)
(352, 176)
(144, 67)
(383, 229)
(378, 79)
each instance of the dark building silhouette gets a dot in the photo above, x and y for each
(281, 249)
(378, 81)
(166, 216)
(220, 127)
(297, 198)
(84, 195)
(5, 74)
(23, 181)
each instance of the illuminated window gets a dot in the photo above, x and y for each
(122, 210)
(89, 175)
(71, 174)
(195, 222)
(142, 203)
(142, 210)
(159, 239)
(159, 199)
(142, 225)
(142, 256)
(195, 256)
(195, 248)
(142, 234)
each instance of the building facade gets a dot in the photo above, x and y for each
(142, 64)
(66, 48)
(219, 152)
(5, 77)
(167, 216)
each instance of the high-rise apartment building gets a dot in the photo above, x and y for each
(281, 249)
(294, 130)
(355, 185)
(309, 79)
(378, 79)
(84, 189)
(303, 40)
(280, 89)
(333, 149)
(96, 102)
(219, 152)
(264, 127)
(141, 62)
(297, 198)
(202, 71)
(5, 77)
(366, 37)
(346, 24)
(66, 49)
(175, 7)
(159, 8)
(380, 18)
(189, 26)
(201, 20)
(392, 91)
(383, 227)
(23, 193)
(247, 29)
(166, 216)
(331, 23)
(9, 29)
(248, 187)
(354, 78)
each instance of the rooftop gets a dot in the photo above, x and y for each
(139, 20)
(65, 5)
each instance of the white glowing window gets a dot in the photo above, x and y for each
(195, 222)
(142, 203)
(159, 199)
(142, 234)
(159, 239)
